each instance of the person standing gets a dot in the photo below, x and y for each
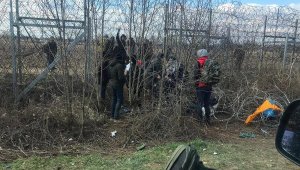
(50, 49)
(239, 56)
(117, 81)
(153, 74)
(103, 75)
(120, 49)
(204, 80)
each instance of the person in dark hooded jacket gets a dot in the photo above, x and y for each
(103, 75)
(120, 50)
(50, 49)
(117, 81)
(109, 47)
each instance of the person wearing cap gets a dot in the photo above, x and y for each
(203, 90)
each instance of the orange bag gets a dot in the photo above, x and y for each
(265, 106)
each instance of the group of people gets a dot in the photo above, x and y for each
(122, 61)
(124, 64)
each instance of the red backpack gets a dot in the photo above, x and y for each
(201, 61)
(209, 70)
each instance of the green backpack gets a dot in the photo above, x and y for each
(210, 73)
(185, 157)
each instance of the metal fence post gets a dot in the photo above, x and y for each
(18, 46)
(227, 46)
(263, 43)
(13, 50)
(285, 50)
(209, 29)
(295, 36)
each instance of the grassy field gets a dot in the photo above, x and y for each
(243, 154)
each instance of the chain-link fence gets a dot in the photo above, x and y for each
(257, 48)
(268, 36)
(5, 40)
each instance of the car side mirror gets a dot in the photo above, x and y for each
(288, 134)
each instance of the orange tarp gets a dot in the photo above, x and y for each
(265, 106)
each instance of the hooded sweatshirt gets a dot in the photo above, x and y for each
(116, 73)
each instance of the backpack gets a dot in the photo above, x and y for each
(210, 72)
(185, 157)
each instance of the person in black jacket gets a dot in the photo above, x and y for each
(154, 74)
(117, 81)
(103, 75)
(131, 46)
(50, 49)
(103, 78)
(120, 51)
(108, 48)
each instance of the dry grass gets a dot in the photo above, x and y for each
(46, 120)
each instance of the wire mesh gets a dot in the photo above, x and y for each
(182, 26)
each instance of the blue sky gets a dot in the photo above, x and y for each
(267, 2)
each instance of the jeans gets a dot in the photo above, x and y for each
(117, 101)
(203, 97)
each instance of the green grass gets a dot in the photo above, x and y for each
(244, 155)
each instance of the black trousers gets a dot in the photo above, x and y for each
(203, 97)
(117, 101)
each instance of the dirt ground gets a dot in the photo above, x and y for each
(97, 137)
(232, 151)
